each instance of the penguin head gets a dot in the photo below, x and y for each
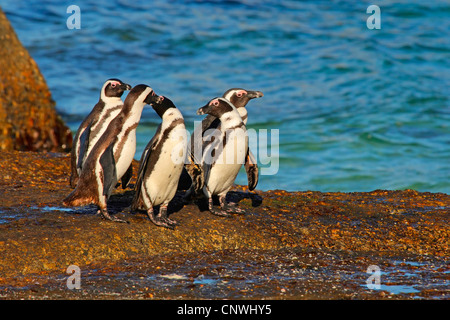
(140, 95)
(161, 105)
(240, 97)
(114, 88)
(152, 98)
(216, 107)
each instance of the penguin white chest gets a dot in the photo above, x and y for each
(161, 183)
(126, 146)
(226, 165)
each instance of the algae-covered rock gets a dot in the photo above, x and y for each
(28, 119)
(287, 244)
(38, 232)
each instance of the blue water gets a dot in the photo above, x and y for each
(356, 109)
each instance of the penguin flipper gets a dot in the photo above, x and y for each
(146, 155)
(127, 177)
(206, 169)
(143, 163)
(251, 167)
(210, 122)
(83, 145)
(194, 168)
(108, 164)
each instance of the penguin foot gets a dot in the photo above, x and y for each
(160, 220)
(171, 222)
(162, 223)
(220, 213)
(164, 216)
(106, 216)
(230, 207)
(233, 208)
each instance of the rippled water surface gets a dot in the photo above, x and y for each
(356, 109)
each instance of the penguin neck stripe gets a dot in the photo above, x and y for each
(111, 100)
(123, 140)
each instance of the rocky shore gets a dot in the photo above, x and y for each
(289, 245)
(28, 117)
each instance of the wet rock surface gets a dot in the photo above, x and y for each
(289, 245)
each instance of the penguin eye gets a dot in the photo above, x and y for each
(113, 85)
(241, 93)
(214, 103)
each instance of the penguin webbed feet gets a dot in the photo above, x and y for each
(218, 212)
(105, 215)
(231, 207)
(161, 219)
(227, 208)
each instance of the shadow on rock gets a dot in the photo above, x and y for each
(233, 197)
(237, 196)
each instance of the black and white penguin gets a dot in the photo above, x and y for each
(112, 155)
(239, 98)
(161, 164)
(224, 151)
(95, 124)
(193, 175)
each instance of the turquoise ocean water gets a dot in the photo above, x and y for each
(356, 109)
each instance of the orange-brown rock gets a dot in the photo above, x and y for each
(28, 119)
(295, 245)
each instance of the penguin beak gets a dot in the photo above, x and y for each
(158, 100)
(126, 86)
(203, 110)
(255, 94)
(153, 98)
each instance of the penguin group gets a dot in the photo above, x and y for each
(105, 145)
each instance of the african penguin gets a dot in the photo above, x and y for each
(93, 126)
(192, 175)
(239, 98)
(161, 164)
(224, 150)
(112, 154)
